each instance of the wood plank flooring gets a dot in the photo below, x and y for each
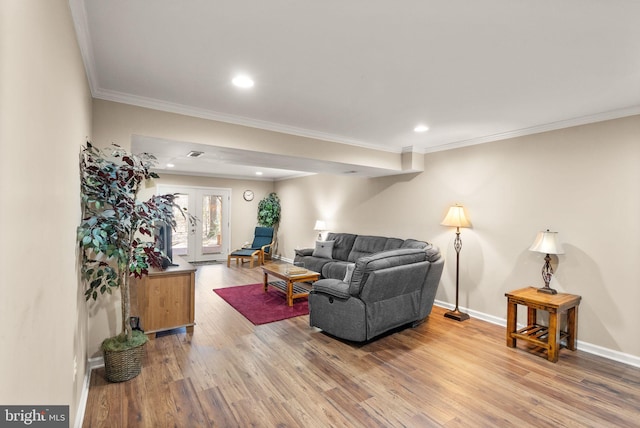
(230, 373)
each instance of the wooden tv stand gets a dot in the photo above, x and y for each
(165, 299)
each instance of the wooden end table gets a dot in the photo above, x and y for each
(288, 283)
(545, 337)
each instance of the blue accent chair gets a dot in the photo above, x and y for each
(261, 246)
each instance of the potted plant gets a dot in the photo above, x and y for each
(112, 240)
(269, 210)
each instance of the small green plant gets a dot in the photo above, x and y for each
(269, 210)
(114, 223)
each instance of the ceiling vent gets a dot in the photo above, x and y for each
(194, 154)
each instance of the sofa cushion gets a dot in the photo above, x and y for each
(366, 245)
(336, 269)
(343, 244)
(393, 244)
(383, 260)
(324, 249)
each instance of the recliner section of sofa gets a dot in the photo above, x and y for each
(394, 282)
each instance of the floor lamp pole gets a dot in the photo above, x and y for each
(456, 314)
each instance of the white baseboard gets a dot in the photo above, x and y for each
(618, 356)
(95, 363)
(92, 363)
(284, 259)
(610, 354)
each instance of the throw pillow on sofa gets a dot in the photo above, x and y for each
(323, 249)
(350, 268)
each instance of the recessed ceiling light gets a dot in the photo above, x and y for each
(170, 165)
(258, 172)
(242, 81)
(421, 128)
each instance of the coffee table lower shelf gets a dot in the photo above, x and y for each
(298, 289)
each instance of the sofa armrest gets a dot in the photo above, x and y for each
(304, 252)
(332, 287)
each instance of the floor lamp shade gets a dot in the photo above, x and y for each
(456, 218)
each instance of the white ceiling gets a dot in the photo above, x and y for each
(366, 72)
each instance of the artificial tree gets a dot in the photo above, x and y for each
(114, 226)
(269, 210)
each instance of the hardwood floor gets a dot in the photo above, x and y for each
(230, 373)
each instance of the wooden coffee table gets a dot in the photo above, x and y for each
(288, 283)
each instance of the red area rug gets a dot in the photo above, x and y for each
(260, 307)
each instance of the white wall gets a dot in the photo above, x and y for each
(581, 182)
(45, 115)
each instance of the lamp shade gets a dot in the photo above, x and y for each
(320, 225)
(455, 217)
(547, 243)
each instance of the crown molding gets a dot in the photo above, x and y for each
(79, 16)
(169, 107)
(583, 120)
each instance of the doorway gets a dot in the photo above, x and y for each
(209, 238)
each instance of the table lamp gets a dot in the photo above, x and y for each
(320, 227)
(456, 218)
(547, 243)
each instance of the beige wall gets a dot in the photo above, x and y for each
(45, 115)
(581, 182)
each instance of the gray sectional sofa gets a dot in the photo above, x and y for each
(370, 284)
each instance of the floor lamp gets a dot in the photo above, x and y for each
(456, 218)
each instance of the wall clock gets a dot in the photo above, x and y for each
(248, 195)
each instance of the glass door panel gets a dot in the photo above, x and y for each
(211, 242)
(209, 238)
(180, 236)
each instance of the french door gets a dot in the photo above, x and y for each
(208, 239)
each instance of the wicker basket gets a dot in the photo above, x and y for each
(120, 366)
